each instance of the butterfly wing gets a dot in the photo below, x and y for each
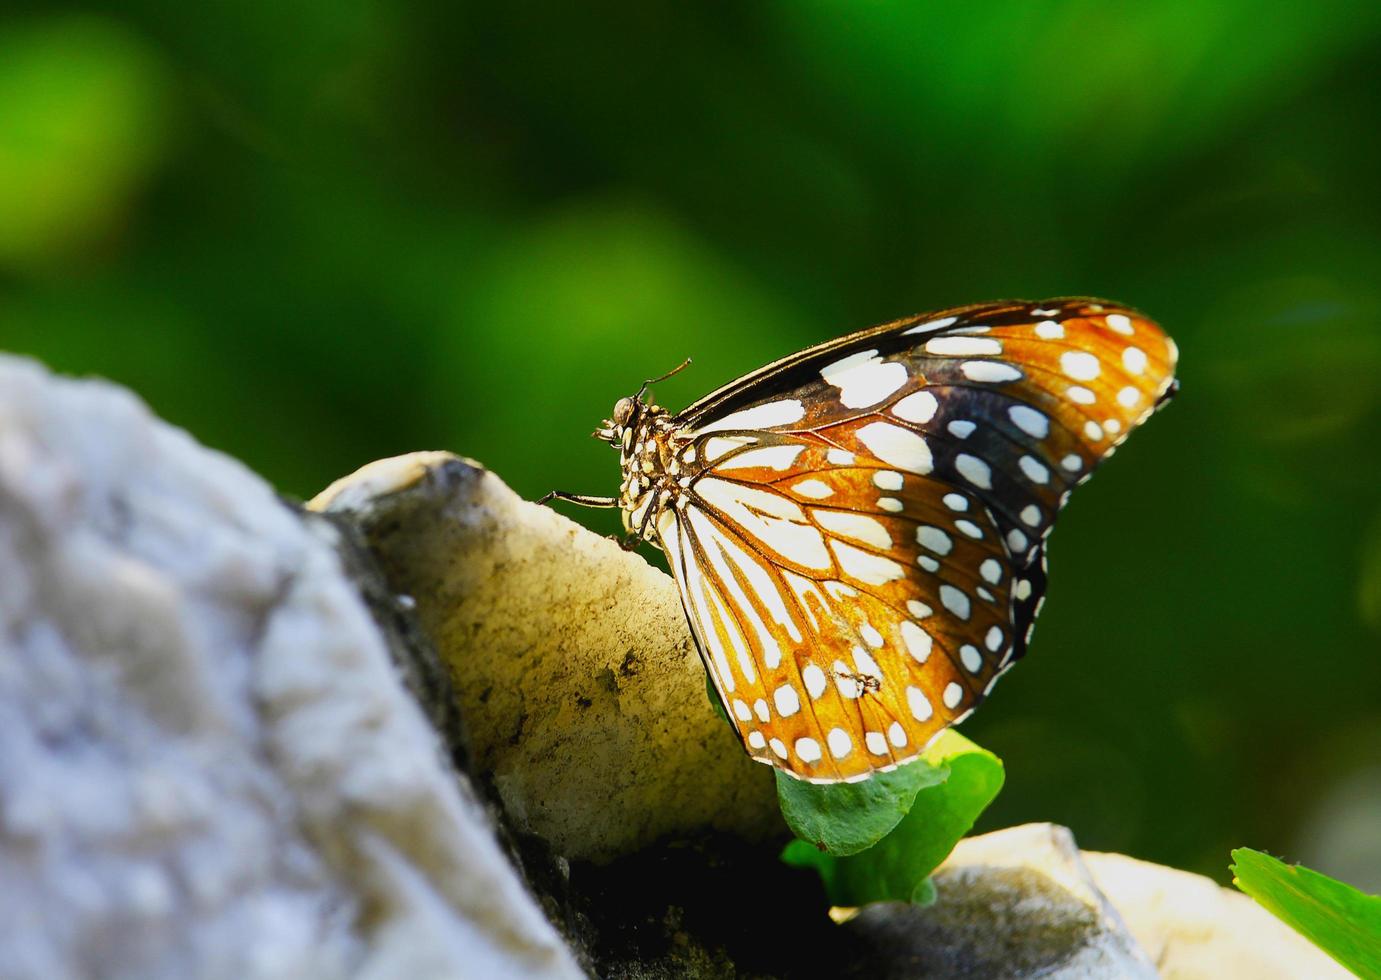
(860, 545)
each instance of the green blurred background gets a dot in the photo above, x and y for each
(318, 233)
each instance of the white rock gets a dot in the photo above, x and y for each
(208, 765)
(1196, 930)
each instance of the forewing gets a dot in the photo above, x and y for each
(859, 549)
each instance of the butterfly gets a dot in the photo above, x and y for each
(858, 530)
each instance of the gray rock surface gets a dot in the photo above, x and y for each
(1014, 903)
(1026, 902)
(208, 765)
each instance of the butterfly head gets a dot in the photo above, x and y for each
(625, 411)
(640, 430)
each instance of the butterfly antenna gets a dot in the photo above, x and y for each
(652, 381)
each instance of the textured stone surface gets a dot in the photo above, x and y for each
(1195, 930)
(581, 688)
(208, 764)
(1014, 903)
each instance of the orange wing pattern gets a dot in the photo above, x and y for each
(859, 546)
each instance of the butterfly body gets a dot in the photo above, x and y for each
(857, 531)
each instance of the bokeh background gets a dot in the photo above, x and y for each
(318, 233)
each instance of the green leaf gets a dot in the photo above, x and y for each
(845, 818)
(1343, 922)
(897, 867)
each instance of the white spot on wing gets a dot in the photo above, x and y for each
(805, 590)
(919, 406)
(887, 480)
(808, 749)
(839, 742)
(849, 686)
(866, 567)
(992, 372)
(865, 664)
(934, 539)
(1034, 469)
(859, 527)
(930, 325)
(787, 700)
(769, 457)
(1121, 323)
(814, 678)
(974, 470)
(1079, 365)
(718, 446)
(969, 528)
(1030, 421)
(766, 416)
(897, 447)
(917, 640)
(864, 379)
(964, 346)
(916, 701)
(961, 428)
(1050, 330)
(815, 489)
(955, 600)
(839, 591)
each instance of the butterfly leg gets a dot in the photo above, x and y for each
(630, 542)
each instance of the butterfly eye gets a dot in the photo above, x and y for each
(623, 409)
